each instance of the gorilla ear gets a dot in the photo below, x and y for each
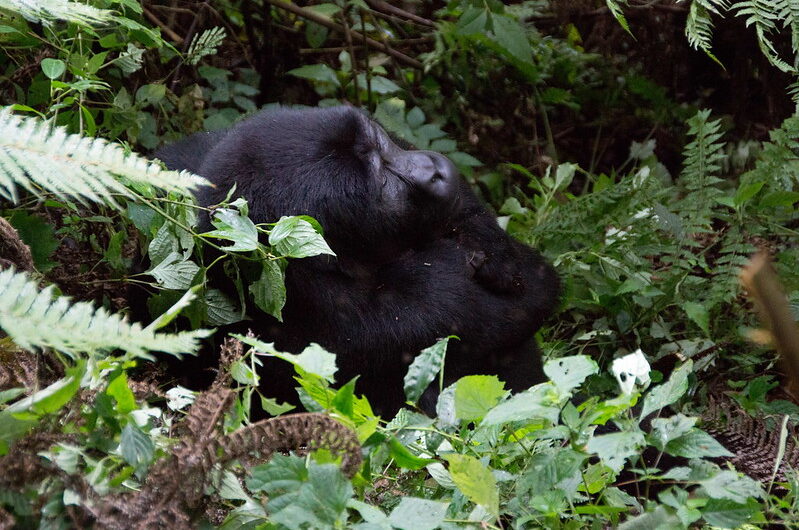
(350, 132)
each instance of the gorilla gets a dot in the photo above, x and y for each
(418, 256)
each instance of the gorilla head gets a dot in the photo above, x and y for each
(373, 198)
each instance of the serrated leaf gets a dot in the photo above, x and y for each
(314, 359)
(699, 314)
(568, 373)
(614, 449)
(475, 481)
(696, 443)
(170, 314)
(418, 514)
(174, 272)
(269, 292)
(220, 308)
(667, 393)
(665, 430)
(475, 395)
(294, 237)
(424, 369)
(535, 403)
(232, 225)
(509, 34)
(136, 447)
(729, 485)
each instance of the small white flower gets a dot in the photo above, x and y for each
(630, 369)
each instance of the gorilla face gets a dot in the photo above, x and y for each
(372, 197)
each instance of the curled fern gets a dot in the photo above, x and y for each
(48, 11)
(40, 158)
(35, 318)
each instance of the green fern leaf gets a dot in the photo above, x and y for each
(204, 44)
(615, 7)
(764, 15)
(48, 11)
(43, 159)
(35, 318)
(699, 29)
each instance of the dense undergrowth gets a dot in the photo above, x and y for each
(648, 202)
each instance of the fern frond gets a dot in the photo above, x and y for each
(704, 154)
(35, 318)
(39, 158)
(790, 19)
(204, 44)
(616, 9)
(48, 11)
(699, 29)
(764, 15)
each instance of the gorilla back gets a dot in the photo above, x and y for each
(418, 257)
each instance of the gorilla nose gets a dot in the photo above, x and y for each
(435, 174)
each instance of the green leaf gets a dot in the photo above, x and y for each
(136, 447)
(418, 514)
(535, 403)
(613, 449)
(300, 497)
(174, 272)
(314, 359)
(699, 314)
(475, 395)
(150, 94)
(172, 313)
(220, 309)
(233, 226)
(729, 485)
(321, 73)
(779, 198)
(39, 235)
(119, 390)
(723, 513)
(424, 369)
(696, 444)
(746, 192)
(665, 430)
(510, 35)
(475, 481)
(667, 393)
(53, 68)
(404, 458)
(294, 237)
(269, 292)
(569, 372)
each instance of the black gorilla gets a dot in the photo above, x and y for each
(418, 256)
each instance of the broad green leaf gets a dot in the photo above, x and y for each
(568, 373)
(294, 237)
(119, 390)
(532, 404)
(220, 308)
(746, 192)
(779, 198)
(232, 225)
(699, 314)
(510, 35)
(404, 458)
(314, 359)
(613, 449)
(424, 369)
(53, 68)
(136, 447)
(174, 272)
(474, 480)
(665, 430)
(53, 397)
(667, 393)
(320, 73)
(418, 514)
(724, 513)
(732, 486)
(269, 292)
(696, 443)
(175, 310)
(475, 395)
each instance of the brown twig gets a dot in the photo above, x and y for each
(323, 21)
(385, 7)
(177, 39)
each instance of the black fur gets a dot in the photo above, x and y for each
(418, 256)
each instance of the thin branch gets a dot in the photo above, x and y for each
(177, 39)
(385, 7)
(323, 21)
